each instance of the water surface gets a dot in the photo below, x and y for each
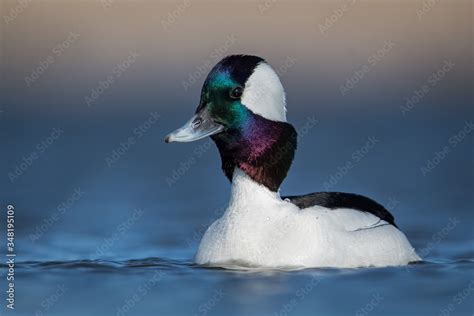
(101, 238)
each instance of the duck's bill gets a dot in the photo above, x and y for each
(199, 126)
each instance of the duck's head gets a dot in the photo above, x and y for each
(243, 109)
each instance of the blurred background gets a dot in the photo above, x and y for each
(380, 92)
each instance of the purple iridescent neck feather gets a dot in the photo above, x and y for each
(262, 148)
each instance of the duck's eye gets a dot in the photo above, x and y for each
(197, 122)
(236, 93)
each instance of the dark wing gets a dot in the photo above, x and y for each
(333, 200)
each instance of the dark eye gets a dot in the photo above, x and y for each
(236, 93)
(196, 122)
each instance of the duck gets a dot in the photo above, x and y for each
(242, 109)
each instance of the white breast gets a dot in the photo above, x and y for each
(258, 229)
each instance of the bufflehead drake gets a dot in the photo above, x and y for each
(243, 110)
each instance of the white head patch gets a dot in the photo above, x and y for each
(264, 94)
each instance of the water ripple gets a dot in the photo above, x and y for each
(102, 264)
(169, 264)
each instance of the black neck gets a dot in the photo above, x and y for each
(264, 150)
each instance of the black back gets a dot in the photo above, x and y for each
(334, 200)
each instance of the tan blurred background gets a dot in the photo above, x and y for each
(322, 44)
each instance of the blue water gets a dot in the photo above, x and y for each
(98, 235)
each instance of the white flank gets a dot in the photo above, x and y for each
(259, 229)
